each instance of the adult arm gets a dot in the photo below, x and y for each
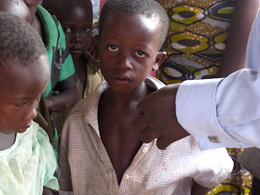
(217, 112)
(240, 26)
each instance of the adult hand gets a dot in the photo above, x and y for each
(158, 118)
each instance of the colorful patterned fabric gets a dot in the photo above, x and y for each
(196, 38)
(195, 45)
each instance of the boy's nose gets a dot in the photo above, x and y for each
(31, 113)
(77, 38)
(124, 63)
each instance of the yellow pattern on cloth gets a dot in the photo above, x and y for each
(195, 45)
(196, 38)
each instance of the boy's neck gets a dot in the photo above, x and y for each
(6, 140)
(80, 68)
(136, 95)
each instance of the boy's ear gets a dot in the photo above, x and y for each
(160, 57)
(94, 46)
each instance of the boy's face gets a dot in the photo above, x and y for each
(20, 96)
(128, 50)
(77, 26)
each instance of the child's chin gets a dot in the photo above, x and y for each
(21, 130)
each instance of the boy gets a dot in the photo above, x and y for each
(76, 20)
(27, 160)
(63, 78)
(99, 151)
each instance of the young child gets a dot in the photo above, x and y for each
(76, 19)
(63, 78)
(27, 159)
(99, 151)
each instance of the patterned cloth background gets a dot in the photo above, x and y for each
(195, 45)
(196, 38)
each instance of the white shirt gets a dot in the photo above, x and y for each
(85, 166)
(225, 112)
(29, 164)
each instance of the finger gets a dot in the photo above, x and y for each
(139, 124)
(163, 142)
(147, 135)
(140, 108)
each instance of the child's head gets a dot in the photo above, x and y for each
(16, 7)
(76, 18)
(147, 8)
(131, 34)
(24, 73)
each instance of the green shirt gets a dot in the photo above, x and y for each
(62, 68)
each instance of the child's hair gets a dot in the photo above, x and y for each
(148, 8)
(53, 5)
(18, 41)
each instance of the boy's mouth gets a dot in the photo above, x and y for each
(76, 51)
(23, 129)
(122, 79)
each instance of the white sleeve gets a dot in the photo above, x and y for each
(225, 112)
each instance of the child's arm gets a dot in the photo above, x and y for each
(64, 100)
(240, 26)
(46, 191)
(198, 189)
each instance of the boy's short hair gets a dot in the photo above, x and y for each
(53, 6)
(18, 41)
(148, 8)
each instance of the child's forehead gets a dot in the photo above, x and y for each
(66, 6)
(65, 10)
(135, 21)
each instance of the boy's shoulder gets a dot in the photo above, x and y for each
(154, 82)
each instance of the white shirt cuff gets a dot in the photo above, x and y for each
(196, 112)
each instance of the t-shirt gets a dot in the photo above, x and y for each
(62, 67)
(29, 164)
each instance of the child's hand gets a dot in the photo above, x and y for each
(158, 118)
(46, 191)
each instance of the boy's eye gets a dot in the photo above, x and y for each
(86, 30)
(19, 104)
(140, 54)
(67, 30)
(112, 48)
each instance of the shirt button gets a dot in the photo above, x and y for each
(126, 177)
(145, 150)
(214, 139)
